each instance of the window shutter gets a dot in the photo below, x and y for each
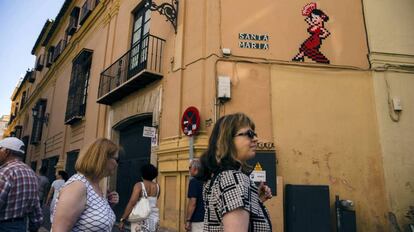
(38, 122)
(49, 60)
(73, 21)
(76, 103)
(86, 10)
(40, 62)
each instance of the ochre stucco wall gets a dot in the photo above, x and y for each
(390, 34)
(397, 139)
(390, 26)
(325, 129)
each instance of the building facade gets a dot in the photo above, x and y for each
(389, 28)
(4, 121)
(128, 70)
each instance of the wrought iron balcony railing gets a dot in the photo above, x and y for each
(138, 67)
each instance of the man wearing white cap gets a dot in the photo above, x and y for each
(19, 199)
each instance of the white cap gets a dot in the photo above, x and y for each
(12, 143)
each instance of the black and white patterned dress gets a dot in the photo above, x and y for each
(230, 190)
(98, 215)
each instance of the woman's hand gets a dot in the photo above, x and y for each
(113, 198)
(188, 226)
(265, 193)
(121, 226)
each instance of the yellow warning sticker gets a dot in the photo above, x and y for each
(258, 167)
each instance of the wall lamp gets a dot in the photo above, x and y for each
(35, 114)
(170, 10)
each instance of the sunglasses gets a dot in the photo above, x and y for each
(250, 133)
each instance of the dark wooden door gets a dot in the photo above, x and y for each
(136, 152)
(50, 164)
(33, 165)
(25, 140)
(71, 158)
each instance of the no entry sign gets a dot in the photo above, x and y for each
(190, 122)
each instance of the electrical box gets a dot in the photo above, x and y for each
(224, 88)
(396, 104)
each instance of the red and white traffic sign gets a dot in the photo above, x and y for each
(190, 122)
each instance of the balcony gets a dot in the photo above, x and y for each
(140, 66)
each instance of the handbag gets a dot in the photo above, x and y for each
(142, 209)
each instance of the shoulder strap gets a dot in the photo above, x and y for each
(144, 191)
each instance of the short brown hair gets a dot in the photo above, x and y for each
(221, 152)
(92, 163)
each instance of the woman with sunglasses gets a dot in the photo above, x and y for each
(81, 204)
(232, 200)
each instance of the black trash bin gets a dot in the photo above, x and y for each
(345, 216)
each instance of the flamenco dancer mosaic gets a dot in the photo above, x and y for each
(316, 19)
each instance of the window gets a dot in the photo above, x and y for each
(38, 119)
(73, 21)
(139, 41)
(39, 63)
(59, 49)
(31, 76)
(23, 101)
(49, 60)
(18, 131)
(16, 108)
(78, 87)
(87, 9)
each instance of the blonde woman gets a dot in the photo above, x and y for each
(81, 205)
(232, 201)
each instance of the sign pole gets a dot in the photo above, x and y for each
(191, 147)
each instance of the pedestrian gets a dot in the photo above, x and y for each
(19, 199)
(43, 185)
(152, 190)
(232, 201)
(195, 207)
(61, 178)
(81, 204)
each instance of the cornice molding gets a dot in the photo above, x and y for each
(381, 59)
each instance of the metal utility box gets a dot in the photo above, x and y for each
(307, 208)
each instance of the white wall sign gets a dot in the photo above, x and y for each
(258, 176)
(254, 41)
(149, 132)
